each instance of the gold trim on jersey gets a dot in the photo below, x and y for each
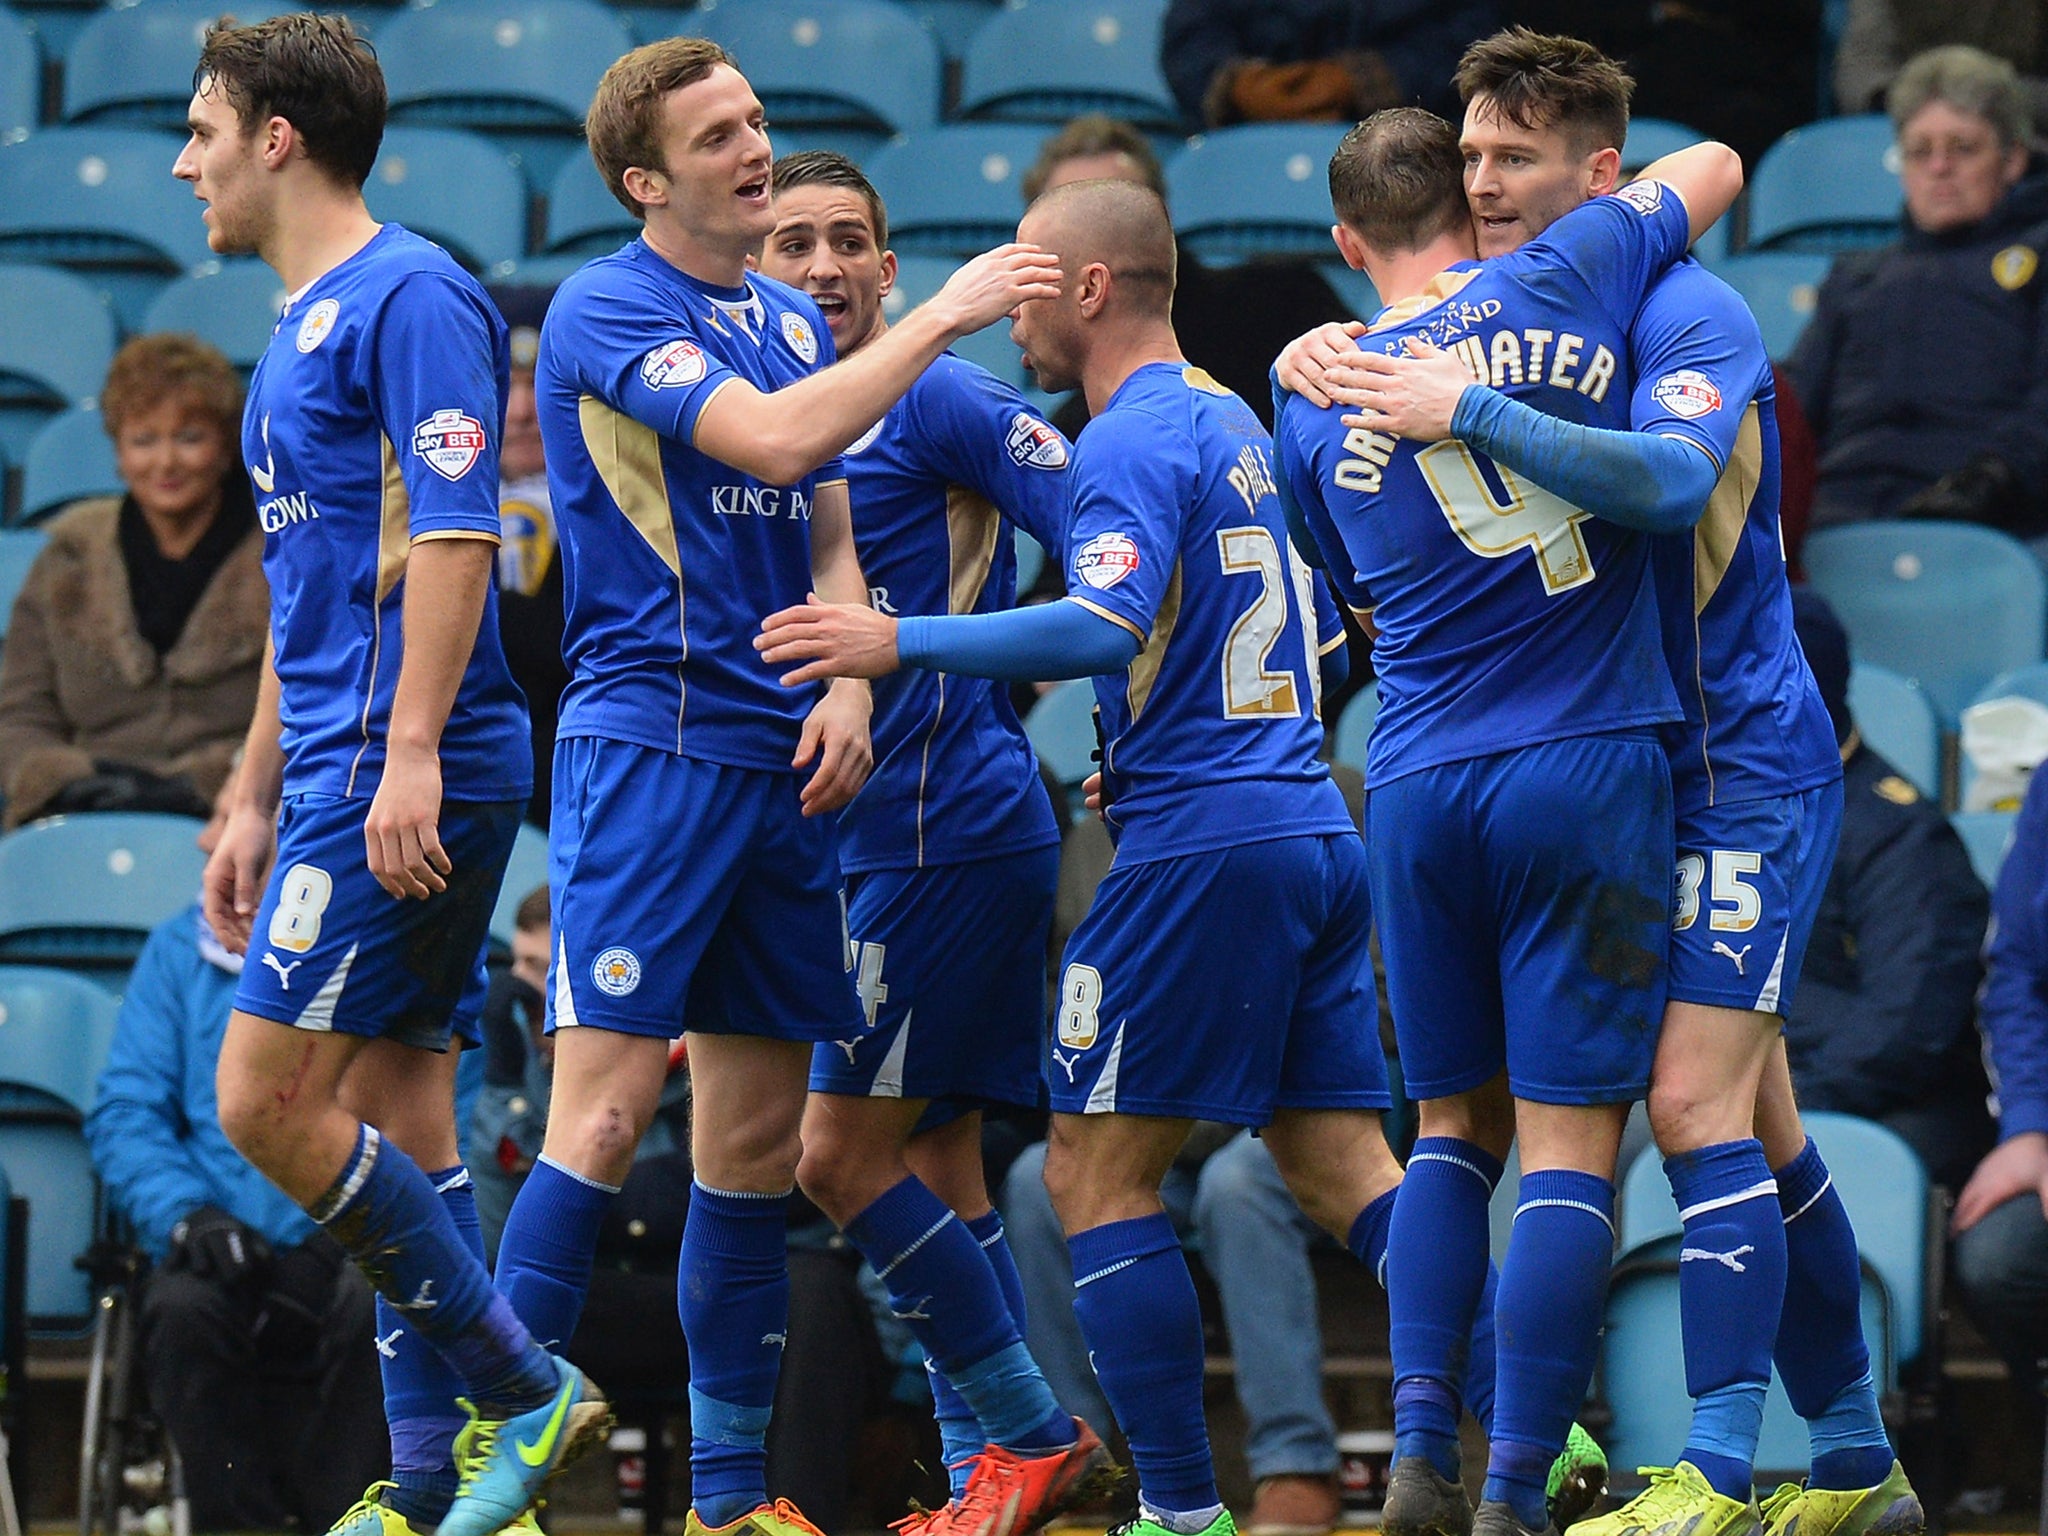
(1715, 541)
(1103, 613)
(1146, 664)
(972, 527)
(394, 525)
(1441, 288)
(627, 457)
(1201, 379)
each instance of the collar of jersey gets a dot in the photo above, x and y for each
(719, 291)
(293, 300)
(1442, 288)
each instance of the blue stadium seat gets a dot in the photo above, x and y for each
(860, 66)
(18, 550)
(1898, 723)
(1780, 288)
(1030, 560)
(917, 279)
(457, 189)
(134, 65)
(69, 458)
(527, 868)
(1259, 190)
(21, 79)
(101, 201)
(1830, 186)
(1061, 726)
(56, 339)
(1045, 61)
(1642, 1373)
(1950, 605)
(1352, 286)
(234, 309)
(1652, 138)
(55, 1030)
(2028, 682)
(583, 216)
(84, 891)
(955, 190)
(1353, 731)
(1988, 836)
(953, 24)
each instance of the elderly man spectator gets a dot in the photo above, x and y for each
(132, 656)
(1923, 371)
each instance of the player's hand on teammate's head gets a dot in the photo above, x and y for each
(402, 834)
(994, 283)
(1413, 396)
(836, 735)
(1304, 361)
(232, 886)
(830, 640)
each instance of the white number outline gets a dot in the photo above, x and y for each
(1533, 519)
(1727, 889)
(1080, 1021)
(1251, 691)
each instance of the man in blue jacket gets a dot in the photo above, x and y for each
(257, 1332)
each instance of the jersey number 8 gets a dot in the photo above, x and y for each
(1531, 518)
(302, 898)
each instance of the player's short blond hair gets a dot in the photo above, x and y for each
(624, 121)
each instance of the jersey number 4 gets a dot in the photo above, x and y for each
(1531, 518)
(1252, 689)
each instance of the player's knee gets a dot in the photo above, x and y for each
(841, 1176)
(1687, 1114)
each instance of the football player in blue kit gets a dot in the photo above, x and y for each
(1525, 963)
(692, 428)
(1756, 782)
(951, 855)
(387, 765)
(1223, 971)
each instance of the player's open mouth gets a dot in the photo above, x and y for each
(830, 303)
(755, 191)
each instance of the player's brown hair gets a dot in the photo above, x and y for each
(624, 121)
(827, 168)
(313, 71)
(1397, 180)
(151, 370)
(1094, 133)
(532, 912)
(1537, 80)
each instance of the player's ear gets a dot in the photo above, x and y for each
(1604, 172)
(1349, 246)
(1093, 292)
(645, 187)
(278, 138)
(888, 273)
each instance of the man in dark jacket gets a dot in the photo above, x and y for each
(1884, 1022)
(1924, 371)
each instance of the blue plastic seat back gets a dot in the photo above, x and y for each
(18, 550)
(583, 216)
(527, 868)
(99, 196)
(1046, 61)
(1950, 605)
(512, 64)
(1348, 742)
(1987, 837)
(1652, 138)
(1258, 190)
(1061, 726)
(953, 24)
(1780, 288)
(955, 190)
(134, 65)
(56, 339)
(87, 890)
(1830, 186)
(55, 1031)
(1897, 721)
(857, 64)
(69, 458)
(234, 309)
(2027, 682)
(457, 189)
(917, 279)
(21, 80)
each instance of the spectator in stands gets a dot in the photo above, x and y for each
(131, 663)
(1884, 1023)
(1326, 61)
(529, 575)
(257, 1332)
(1232, 321)
(1924, 371)
(1880, 35)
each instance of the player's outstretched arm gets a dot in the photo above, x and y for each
(1036, 644)
(446, 580)
(1707, 178)
(232, 886)
(836, 732)
(780, 437)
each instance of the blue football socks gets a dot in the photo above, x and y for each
(548, 1246)
(1547, 1316)
(1731, 1287)
(961, 1436)
(1137, 1309)
(1820, 1352)
(732, 1292)
(419, 1389)
(385, 1214)
(1368, 1244)
(943, 1287)
(1436, 1267)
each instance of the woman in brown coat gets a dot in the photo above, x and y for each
(130, 665)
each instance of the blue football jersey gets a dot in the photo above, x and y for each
(1506, 617)
(1212, 732)
(1754, 721)
(932, 486)
(372, 425)
(671, 559)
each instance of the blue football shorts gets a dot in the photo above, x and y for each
(949, 962)
(1750, 881)
(331, 949)
(1222, 986)
(1524, 905)
(692, 895)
